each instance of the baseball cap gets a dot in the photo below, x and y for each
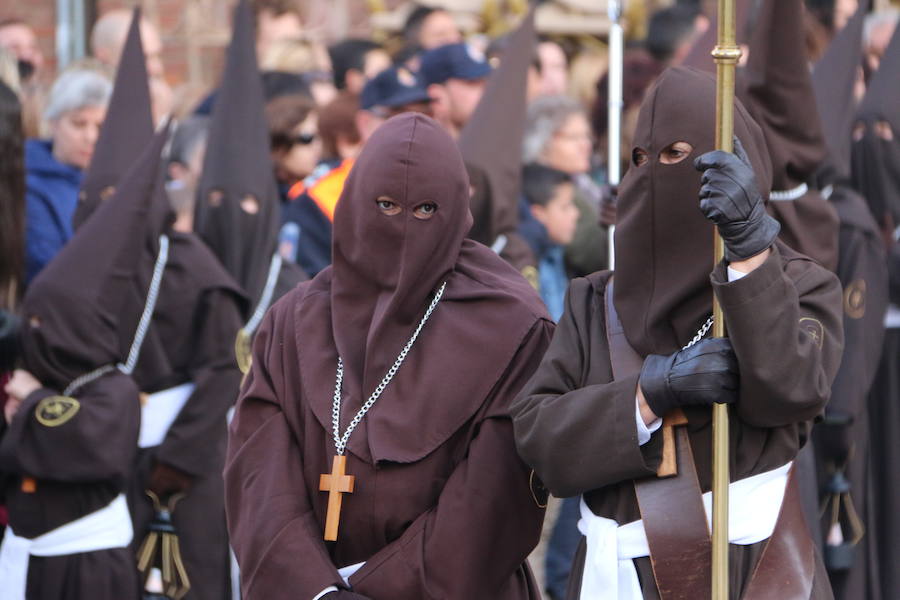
(393, 87)
(453, 61)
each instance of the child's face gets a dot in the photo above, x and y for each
(560, 215)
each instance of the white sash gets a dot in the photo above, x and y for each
(892, 317)
(159, 411)
(107, 528)
(753, 507)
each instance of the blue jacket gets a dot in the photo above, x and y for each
(52, 195)
(314, 245)
(553, 277)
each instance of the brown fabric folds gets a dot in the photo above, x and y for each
(777, 88)
(386, 268)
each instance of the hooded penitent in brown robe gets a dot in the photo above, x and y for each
(238, 208)
(842, 440)
(876, 175)
(777, 89)
(783, 320)
(442, 505)
(191, 335)
(69, 450)
(491, 145)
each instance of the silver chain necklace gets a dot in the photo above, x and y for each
(340, 443)
(700, 332)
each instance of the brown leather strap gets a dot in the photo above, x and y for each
(787, 566)
(677, 531)
(676, 525)
(623, 358)
(671, 508)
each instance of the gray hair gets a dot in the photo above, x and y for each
(77, 89)
(546, 115)
(888, 16)
(189, 137)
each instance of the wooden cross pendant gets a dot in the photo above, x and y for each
(669, 464)
(335, 483)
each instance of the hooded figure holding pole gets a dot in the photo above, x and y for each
(628, 352)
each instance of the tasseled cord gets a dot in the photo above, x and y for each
(161, 552)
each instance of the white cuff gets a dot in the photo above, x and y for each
(643, 431)
(327, 590)
(734, 275)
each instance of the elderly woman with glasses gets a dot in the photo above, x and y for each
(558, 135)
(74, 113)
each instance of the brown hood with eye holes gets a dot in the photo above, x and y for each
(237, 167)
(875, 157)
(664, 244)
(366, 305)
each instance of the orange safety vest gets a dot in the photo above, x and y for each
(326, 190)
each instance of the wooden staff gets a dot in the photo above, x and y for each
(726, 55)
(614, 108)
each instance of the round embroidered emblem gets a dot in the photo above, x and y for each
(54, 411)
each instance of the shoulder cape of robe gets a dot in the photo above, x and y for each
(79, 466)
(191, 339)
(784, 321)
(442, 507)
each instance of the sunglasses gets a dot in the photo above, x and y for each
(303, 139)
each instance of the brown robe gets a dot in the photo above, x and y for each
(456, 521)
(79, 466)
(75, 310)
(191, 339)
(863, 276)
(572, 410)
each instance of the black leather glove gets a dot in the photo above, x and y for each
(729, 198)
(705, 373)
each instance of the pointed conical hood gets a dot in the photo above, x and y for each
(491, 141)
(74, 305)
(834, 78)
(777, 88)
(126, 130)
(875, 153)
(237, 211)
